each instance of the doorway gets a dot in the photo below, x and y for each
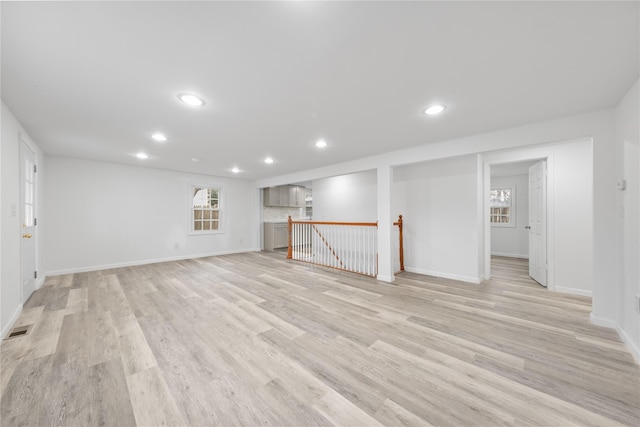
(517, 217)
(508, 232)
(28, 170)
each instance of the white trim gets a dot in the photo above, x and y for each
(11, 321)
(145, 262)
(612, 324)
(481, 178)
(469, 279)
(520, 256)
(601, 321)
(635, 351)
(573, 291)
(388, 279)
(40, 282)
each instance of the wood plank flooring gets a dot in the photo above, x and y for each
(252, 339)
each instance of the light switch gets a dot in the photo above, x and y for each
(13, 209)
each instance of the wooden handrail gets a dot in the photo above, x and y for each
(401, 245)
(355, 224)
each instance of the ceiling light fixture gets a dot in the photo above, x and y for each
(321, 143)
(268, 160)
(434, 109)
(195, 159)
(159, 137)
(191, 99)
(142, 156)
(235, 169)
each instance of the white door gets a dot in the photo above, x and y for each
(28, 209)
(538, 222)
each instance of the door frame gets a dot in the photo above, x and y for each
(23, 141)
(505, 157)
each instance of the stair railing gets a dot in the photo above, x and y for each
(349, 246)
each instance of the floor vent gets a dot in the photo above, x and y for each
(19, 331)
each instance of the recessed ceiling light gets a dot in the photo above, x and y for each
(195, 159)
(321, 143)
(434, 109)
(268, 160)
(190, 99)
(159, 137)
(235, 169)
(142, 155)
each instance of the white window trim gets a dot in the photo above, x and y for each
(512, 211)
(221, 221)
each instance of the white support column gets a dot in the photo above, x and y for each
(385, 222)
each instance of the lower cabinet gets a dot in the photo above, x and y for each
(280, 235)
(276, 235)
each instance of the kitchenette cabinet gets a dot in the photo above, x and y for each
(276, 235)
(296, 196)
(289, 196)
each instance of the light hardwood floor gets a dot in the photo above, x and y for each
(252, 339)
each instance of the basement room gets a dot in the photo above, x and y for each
(309, 213)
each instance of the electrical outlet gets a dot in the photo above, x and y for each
(176, 247)
(638, 303)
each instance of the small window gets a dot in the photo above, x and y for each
(501, 208)
(205, 210)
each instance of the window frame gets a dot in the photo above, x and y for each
(190, 210)
(512, 207)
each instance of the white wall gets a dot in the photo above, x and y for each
(574, 234)
(627, 117)
(103, 214)
(10, 288)
(350, 197)
(513, 241)
(439, 206)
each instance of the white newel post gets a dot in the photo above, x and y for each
(385, 224)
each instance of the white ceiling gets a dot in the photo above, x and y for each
(94, 80)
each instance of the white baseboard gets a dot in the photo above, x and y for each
(601, 321)
(388, 279)
(469, 279)
(521, 256)
(573, 291)
(5, 331)
(628, 342)
(631, 346)
(12, 320)
(144, 262)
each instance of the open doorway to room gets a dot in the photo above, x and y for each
(568, 234)
(517, 220)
